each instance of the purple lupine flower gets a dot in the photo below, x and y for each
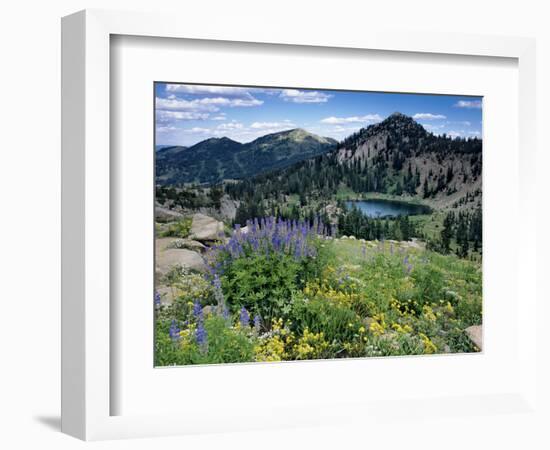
(225, 312)
(408, 268)
(217, 282)
(298, 250)
(320, 226)
(257, 323)
(201, 336)
(197, 309)
(340, 278)
(276, 242)
(218, 293)
(406, 260)
(157, 299)
(244, 317)
(174, 331)
(364, 251)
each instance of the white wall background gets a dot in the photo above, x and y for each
(30, 186)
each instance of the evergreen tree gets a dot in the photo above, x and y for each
(425, 189)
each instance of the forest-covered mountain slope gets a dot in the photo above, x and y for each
(396, 156)
(217, 159)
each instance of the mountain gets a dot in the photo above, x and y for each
(217, 159)
(164, 151)
(396, 156)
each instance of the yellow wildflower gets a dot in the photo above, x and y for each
(429, 346)
(429, 313)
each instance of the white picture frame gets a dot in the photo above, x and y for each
(87, 325)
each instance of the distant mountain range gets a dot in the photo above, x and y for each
(217, 159)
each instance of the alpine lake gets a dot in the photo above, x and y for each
(380, 208)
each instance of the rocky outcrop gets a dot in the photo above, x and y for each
(188, 244)
(205, 228)
(172, 257)
(166, 215)
(168, 257)
(475, 333)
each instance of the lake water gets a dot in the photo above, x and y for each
(387, 208)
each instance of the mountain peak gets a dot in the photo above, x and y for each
(299, 135)
(220, 140)
(399, 117)
(399, 122)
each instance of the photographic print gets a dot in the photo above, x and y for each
(305, 224)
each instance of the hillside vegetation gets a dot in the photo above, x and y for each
(263, 254)
(217, 159)
(288, 291)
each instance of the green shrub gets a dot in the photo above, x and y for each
(263, 284)
(224, 344)
(338, 323)
(429, 283)
(180, 229)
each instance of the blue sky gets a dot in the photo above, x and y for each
(187, 113)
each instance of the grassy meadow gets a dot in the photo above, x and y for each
(281, 290)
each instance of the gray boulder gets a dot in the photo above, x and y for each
(205, 228)
(171, 257)
(475, 333)
(166, 215)
(166, 295)
(188, 244)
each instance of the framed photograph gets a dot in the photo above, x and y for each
(290, 225)
(308, 224)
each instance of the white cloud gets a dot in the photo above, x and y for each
(428, 116)
(433, 128)
(354, 119)
(175, 104)
(164, 116)
(230, 102)
(340, 129)
(297, 96)
(209, 104)
(471, 104)
(264, 125)
(246, 102)
(245, 133)
(456, 133)
(197, 130)
(221, 116)
(230, 126)
(168, 129)
(226, 91)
